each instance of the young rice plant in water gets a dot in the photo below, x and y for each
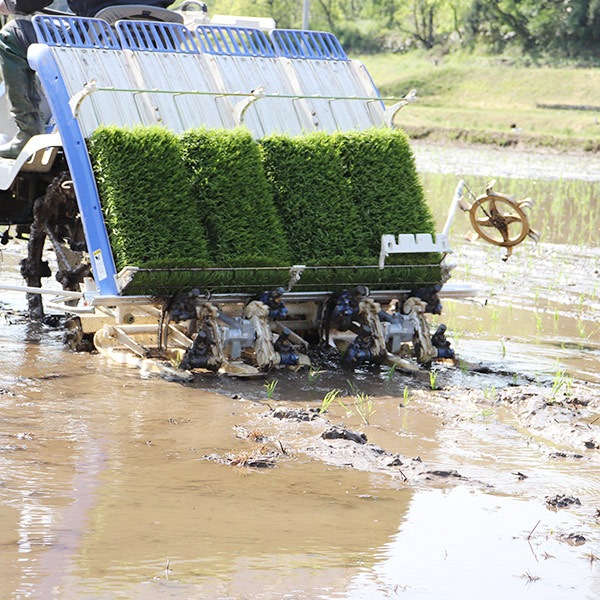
(330, 397)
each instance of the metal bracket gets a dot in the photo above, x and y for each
(295, 275)
(125, 277)
(408, 243)
(457, 202)
(390, 113)
(242, 106)
(76, 100)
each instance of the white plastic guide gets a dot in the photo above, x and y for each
(407, 243)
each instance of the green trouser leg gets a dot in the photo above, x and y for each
(21, 89)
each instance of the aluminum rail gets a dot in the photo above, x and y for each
(36, 290)
(90, 89)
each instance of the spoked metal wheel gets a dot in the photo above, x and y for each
(499, 220)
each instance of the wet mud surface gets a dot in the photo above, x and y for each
(565, 425)
(474, 479)
(497, 162)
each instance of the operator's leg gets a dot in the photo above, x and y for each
(21, 85)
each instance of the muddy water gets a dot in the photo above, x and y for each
(112, 486)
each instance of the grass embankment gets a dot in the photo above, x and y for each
(479, 101)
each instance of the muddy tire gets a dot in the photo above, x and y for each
(75, 339)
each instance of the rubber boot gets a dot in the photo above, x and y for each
(22, 91)
(12, 148)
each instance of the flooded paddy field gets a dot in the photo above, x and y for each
(480, 479)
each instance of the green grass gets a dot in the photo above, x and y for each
(479, 94)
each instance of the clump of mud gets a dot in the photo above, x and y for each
(561, 501)
(570, 420)
(261, 458)
(337, 432)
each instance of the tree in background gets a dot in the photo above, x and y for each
(555, 28)
(567, 28)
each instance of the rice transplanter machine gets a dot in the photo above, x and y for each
(133, 69)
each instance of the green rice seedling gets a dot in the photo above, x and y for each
(390, 374)
(365, 178)
(352, 387)
(307, 182)
(433, 375)
(216, 210)
(329, 397)
(568, 385)
(538, 322)
(502, 348)
(405, 396)
(486, 413)
(490, 393)
(270, 388)
(561, 380)
(384, 185)
(233, 198)
(363, 404)
(457, 335)
(349, 411)
(139, 174)
(313, 374)
(557, 384)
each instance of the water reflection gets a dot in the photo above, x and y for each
(111, 484)
(464, 544)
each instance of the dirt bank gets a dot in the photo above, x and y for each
(508, 140)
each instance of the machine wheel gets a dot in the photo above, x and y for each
(74, 337)
(499, 220)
